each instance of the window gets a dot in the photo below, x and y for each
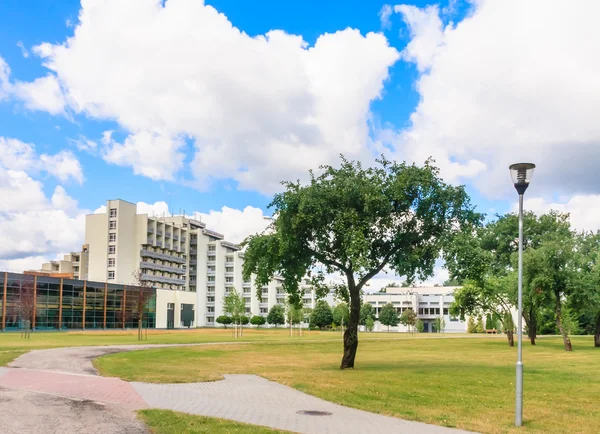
(113, 212)
(111, 250)
(112, 225)
(228, 279)
(445, 311)
(437, 310)
(210, 299)
(171, 306)
(111, 262)
(210, 309)
(111, 275)
(211, 278)
(112, 237)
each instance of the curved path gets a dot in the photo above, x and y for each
(68, 372)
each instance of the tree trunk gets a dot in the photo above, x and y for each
(597, 335)
(511, 338)
(559, 324)
(531, 321)
(351, 333)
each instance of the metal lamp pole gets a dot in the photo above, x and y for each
(521, 174)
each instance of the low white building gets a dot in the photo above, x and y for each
(429, 303)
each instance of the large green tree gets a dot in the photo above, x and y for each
(586, 299)
(356, 221)
(321, 316)
(276, 315)
(551, 271)
(490, 251)
(388, 316)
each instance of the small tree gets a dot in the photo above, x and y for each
(276, 315)
(389, 316)
(235, 306)
(370, 324)
(322, 315)
(367, 311)
(471, 327)
(144, 295)
(258, 320)
(341, 314)
(419, 326)
(26, 307)
(294, 315)
(489, 322)
(479, 327)
(439, 324)
(408, 319)
(224, 319)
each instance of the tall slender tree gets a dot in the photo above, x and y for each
(356, 222)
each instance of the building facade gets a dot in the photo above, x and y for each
(429, 303)
(51, 303)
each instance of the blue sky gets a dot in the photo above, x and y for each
(436, 79)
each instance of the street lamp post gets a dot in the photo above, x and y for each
(521, 175)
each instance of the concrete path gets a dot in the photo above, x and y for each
(244, 398)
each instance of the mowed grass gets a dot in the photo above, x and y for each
(11, 341)
(170, 422)
(12, 345)
(465, 383)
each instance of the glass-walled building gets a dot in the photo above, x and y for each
(51, 303)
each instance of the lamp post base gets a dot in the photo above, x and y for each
(519, 405)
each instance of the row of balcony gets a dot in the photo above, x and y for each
(163, 279)
(167, 268)
(163, 256)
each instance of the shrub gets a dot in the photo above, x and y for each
(258, 320)
(224, 319)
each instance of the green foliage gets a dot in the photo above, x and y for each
(293, 313)
(471, 327)
(224, 319)
(367, 310)
(370, 324)
(479, 327)
(419, 326)
(321, 316)
(243, 320)
(276, 315)
(355, 221)
(408, 318)
(389, 316)
(234, 305)
(489, 322)
(341, 314)
(258, 320)
(439, 324)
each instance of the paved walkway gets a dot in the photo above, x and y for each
(244, 398)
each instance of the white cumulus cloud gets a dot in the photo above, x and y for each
(513, 81)
(257, 109)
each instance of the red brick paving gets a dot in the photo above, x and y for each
(110, 390)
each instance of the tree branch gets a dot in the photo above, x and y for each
(321, 258)
(376, 270)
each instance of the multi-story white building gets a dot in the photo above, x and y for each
(192, 267)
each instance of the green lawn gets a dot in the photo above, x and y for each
(12, 341)
(466, 383)
(170, 422)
